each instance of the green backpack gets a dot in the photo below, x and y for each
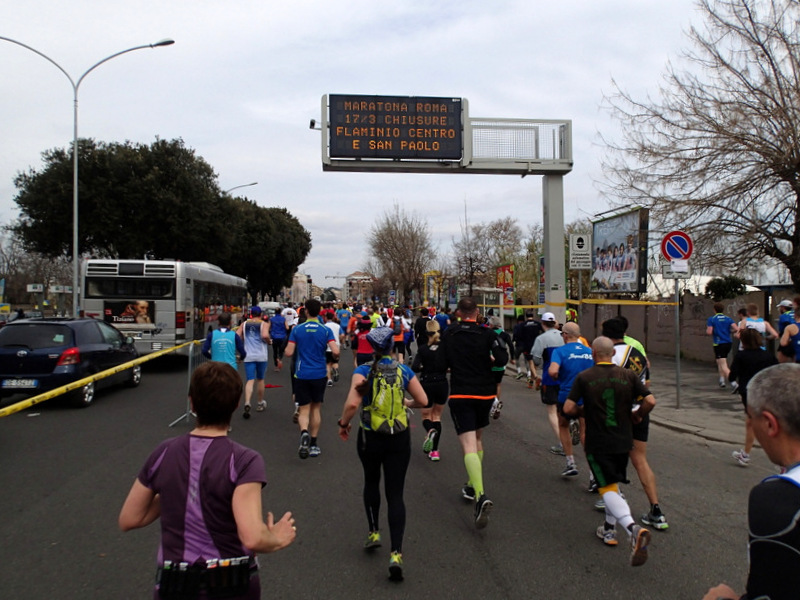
(387, 412)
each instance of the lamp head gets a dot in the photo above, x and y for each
(164, 42)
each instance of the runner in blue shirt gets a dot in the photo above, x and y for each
(786, 308)
(344, 315)
(565, 363)
(720, 327)
(309, 340)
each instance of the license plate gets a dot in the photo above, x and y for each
(20, 383)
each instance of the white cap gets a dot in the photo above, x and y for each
(785, 303)
(549, 317)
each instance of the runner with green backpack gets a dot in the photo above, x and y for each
(384, 437)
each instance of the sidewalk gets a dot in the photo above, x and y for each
(706, 410)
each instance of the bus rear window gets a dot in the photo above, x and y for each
(121, 287)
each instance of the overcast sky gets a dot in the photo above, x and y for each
(244, 78)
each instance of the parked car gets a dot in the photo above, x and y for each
(38, 355)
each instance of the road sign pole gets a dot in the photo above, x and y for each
(677, 344)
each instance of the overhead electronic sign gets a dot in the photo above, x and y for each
(395, 127)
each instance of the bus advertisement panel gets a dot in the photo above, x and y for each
(130, 314)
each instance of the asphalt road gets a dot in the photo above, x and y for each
(64, 474)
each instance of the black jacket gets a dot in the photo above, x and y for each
(466, 349)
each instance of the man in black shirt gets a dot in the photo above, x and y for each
(608, 393)
(773, 409)
(470, 351)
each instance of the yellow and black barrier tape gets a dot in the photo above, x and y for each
(38, 399)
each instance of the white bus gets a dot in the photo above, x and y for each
(160, 303)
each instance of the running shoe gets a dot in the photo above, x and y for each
(742, 457)
(497, 406)
(655, 521)
(520, 376)
(305, 444)
(721, 383)
(427, 445)
(734, 387)
(296, 414)
(314, 451)
(609, 536)
(575, 432)
(246, 414)
(530, 383)
(335, 373)
(280, 365)
(373, 540)
(262, 404)
(396, 566)
(592, 487)
(468, 492)
(559, 450)
(330, 383)
(434, 455)
(482, 509)
(640, 539)
(570, 471)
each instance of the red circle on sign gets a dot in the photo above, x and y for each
(677, 245)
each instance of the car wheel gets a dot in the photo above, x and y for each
(135, 377)
(83, 397)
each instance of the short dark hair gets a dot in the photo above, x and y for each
(423, 312)
(215, 389)
(467, 306)
(613, 328)
(224, 319)
(313, 307)
(719, 307)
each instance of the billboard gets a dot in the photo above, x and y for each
(395, 127)
(619, 253)
(505, 282)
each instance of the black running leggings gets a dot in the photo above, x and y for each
(393, 453)
(278, 347)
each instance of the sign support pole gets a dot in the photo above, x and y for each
(677, 344)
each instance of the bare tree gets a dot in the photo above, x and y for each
(483, 247)
(401, 249)
(718, 151)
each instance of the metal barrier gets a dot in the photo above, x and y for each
(196, 359)
(23, 404)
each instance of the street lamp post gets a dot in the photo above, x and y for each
(75, 85)
(240, 186)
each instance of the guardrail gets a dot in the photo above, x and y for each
(23, 404)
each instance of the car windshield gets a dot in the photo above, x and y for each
(35, 336)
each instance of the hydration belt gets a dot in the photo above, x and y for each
(218, 578)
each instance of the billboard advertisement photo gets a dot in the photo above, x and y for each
(619, 253)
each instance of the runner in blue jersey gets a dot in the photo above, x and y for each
(222, 344)
(786, 309)
(309, 340)
(344, 315)
(720, 327)
(565, 363)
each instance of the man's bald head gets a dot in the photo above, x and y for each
(602, 349)
(572, 330)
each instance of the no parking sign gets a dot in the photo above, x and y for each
(677, 245)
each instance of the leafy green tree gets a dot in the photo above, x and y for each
(159, 201)
(722, 288)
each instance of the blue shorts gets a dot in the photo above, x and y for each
(255, 370)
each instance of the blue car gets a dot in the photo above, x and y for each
(38, 355)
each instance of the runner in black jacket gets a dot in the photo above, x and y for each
(469, 351)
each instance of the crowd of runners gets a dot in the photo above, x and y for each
(595, 395)
(460, 359)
